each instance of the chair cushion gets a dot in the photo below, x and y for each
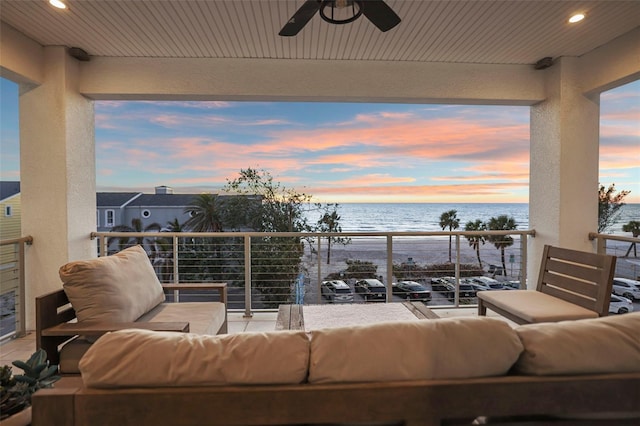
(435, 349)
(203, 317)
(534, 306)
(117, 288)
(590, 346)
(142, 358)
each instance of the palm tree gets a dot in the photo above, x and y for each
(476, 240)
(501, 242)
(634, 227)
(206, 214)
(136, 226)
(330, 222)
(610, 204)
(449, 220)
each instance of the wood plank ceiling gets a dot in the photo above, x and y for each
(490, 32)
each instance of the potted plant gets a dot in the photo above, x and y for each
(16, 391)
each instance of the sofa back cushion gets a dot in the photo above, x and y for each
(117, 288)
(436, 349)
(589, 346)
(142, 358)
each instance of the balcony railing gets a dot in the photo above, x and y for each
(264, 270)
(626, 249)
(12, 287)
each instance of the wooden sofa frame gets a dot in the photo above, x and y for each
(582, 278)
(506, 400)
(55, 316)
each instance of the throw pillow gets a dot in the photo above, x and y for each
(117, 288)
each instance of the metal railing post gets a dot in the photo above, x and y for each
(389, 268)
(247, 277)
(523, 261)
(176, 277)
(319, 270)
(456, 300)
(22, 318)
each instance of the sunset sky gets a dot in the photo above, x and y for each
(337, 152)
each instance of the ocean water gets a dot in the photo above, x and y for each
(409, 217)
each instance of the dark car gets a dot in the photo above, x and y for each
(439, 284)
(371, 289)
(466, 289)
(411, 290)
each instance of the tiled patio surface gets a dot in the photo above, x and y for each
(22, 348)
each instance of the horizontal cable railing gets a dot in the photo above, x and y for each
(626, 249)
(264, 270)
(12, 286)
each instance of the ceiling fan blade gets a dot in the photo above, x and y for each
(300, 18)
(380, 15)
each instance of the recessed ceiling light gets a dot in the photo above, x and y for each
(576, 18)
(58, 3)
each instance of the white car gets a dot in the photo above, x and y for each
(620, 305)
(626, 287)
(336, 291)
(486, 283)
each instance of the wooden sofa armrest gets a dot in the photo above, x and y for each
(221, 287)
(99, 328)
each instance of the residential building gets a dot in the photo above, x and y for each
(11, 210)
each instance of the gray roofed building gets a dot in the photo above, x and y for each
(9, 189)
(115, 199)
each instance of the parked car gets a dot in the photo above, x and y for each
(336, 291)
(371, 289)
(626, 287)
(439, 284)
(620, 305)
(486, 283)
(411, 290)
(512, 285)
(466, 288)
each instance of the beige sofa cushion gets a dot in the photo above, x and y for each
(444, 348)
(142, 358)
(203, 317)
(603, 345)
(117, 288)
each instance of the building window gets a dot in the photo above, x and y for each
(8, 211)
(146, 213)
(110, 218)
(98, 218)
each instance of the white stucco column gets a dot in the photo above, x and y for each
(57, 163)
(563, 202)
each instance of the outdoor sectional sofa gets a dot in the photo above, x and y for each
(453, 371)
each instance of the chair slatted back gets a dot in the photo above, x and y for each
(582, 278)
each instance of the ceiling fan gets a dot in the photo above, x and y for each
(377, 11)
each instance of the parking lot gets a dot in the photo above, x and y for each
(440, 296)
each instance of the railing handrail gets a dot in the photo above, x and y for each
(111, 234)
(27, 240)
(597, 235)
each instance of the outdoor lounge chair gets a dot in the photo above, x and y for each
(571, 285)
